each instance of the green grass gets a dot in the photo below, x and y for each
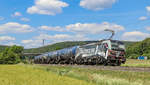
(61, 75)
(101, 77)
(27, 75)
(137, 63)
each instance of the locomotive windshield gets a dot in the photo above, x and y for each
(117, 45)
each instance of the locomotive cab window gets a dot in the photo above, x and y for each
(117, 45)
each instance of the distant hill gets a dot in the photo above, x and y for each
(62, 45)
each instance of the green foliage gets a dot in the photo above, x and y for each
(17, 49)
(137, 63)
(139, 49)
(133, 56)
(147, 55)
(11, 55)
(2, 47)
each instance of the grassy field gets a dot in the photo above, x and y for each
(137, 63)
(28, 75)
(59, 75)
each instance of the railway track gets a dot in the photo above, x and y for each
(111, 68)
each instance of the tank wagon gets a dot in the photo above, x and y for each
(107, 52)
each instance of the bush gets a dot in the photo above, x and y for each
(133, 56)
(147, 55)
(141, 48)
(11, 55)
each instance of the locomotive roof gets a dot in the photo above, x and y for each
(102, 41)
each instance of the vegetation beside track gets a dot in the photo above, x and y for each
(61, 75)
(30, 75)
(137, 49)
(2, 47)
(137, 63)
(11, 55)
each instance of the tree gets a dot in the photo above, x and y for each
(147, 55)
(17, 49)
(139, 49)
(11, 55)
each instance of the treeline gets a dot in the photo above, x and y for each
(137, 49)
(11, 55)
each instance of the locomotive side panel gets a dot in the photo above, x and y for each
(88, 54)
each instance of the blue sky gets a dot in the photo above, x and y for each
(28, 22)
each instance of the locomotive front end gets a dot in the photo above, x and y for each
(116, 53)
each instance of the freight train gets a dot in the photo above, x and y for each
(107, 52)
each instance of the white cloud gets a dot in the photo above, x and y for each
(50, 28)
(14, 27)
(43, 36)
(1, 18)
(60, 37)
(97, 4)
(38, 40)
(135, 36)
(11, 44)
(93, 28)
(148, 28)
(6, 38)
(27, 41)
(31, 43)
(25, 19)
(16, 14)
(148, 8)
(47, 7)
(143, 18)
